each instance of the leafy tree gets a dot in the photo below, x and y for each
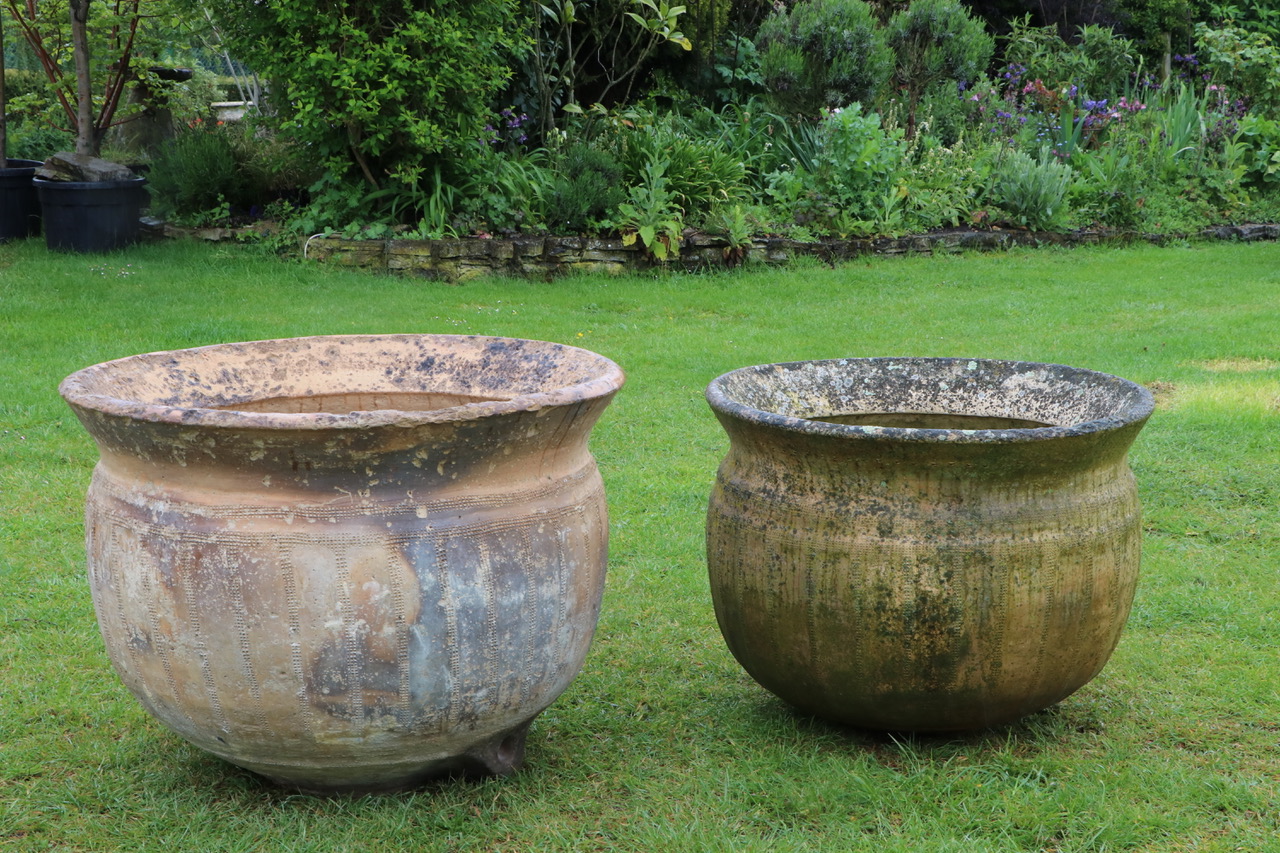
(1158, 25)
(1258, 16)
(90, 53)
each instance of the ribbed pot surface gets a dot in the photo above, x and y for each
(348, 563)
(924, 544)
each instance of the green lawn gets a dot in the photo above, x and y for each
(663, 743)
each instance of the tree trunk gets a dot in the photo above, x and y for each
(86, 138)
(4, 121)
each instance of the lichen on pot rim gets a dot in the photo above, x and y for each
(1060, 401)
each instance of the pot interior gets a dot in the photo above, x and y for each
(928, 420)
(341, 404)
(954, 395)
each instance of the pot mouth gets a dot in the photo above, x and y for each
(951, 400)
(117, 183)
(343, 381)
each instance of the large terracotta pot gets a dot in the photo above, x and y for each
(348, 563)
(924, 544)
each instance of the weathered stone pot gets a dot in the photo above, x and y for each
(348, 563)
(957, 546)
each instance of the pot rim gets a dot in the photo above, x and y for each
(118, 183)
(76, 389)
(1138, 410)
(27, 165)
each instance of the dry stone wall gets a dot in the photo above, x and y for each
(460, 259)
(455, 260)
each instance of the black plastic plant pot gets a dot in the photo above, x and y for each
(19, 205)
(92, 216)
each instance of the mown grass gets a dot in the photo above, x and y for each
(663, 743)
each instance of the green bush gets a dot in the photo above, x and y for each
(730, 75)
(942, 183)
(273, 164)
(698, 171)
(1149, 22)
(933, 41)
(1112, 184)
(1261, 137)
(509, 193)
(381, 89)
(19, 82)
(198, 177)
(822, 54)
(1247, 63)
(1032, 191)
(1099, 63)
(35, 140)
(595, 52)
(586, 190)
(845, 178)
(1258, 16)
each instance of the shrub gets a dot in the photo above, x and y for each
(699, 172)
(1100, 63)
(1261, 137)
(1032, 191)
(20, 83)
(652, 214)
(1110, 192)
(730, 75)
(942, 183)
(592, 52)
(509, 191)
(932, 41)
(1248, 63)
(822, 54)
(1259, 16)
(35, 140)
(586, 190)
(197, 176)
(381, 89)
(845, 178)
